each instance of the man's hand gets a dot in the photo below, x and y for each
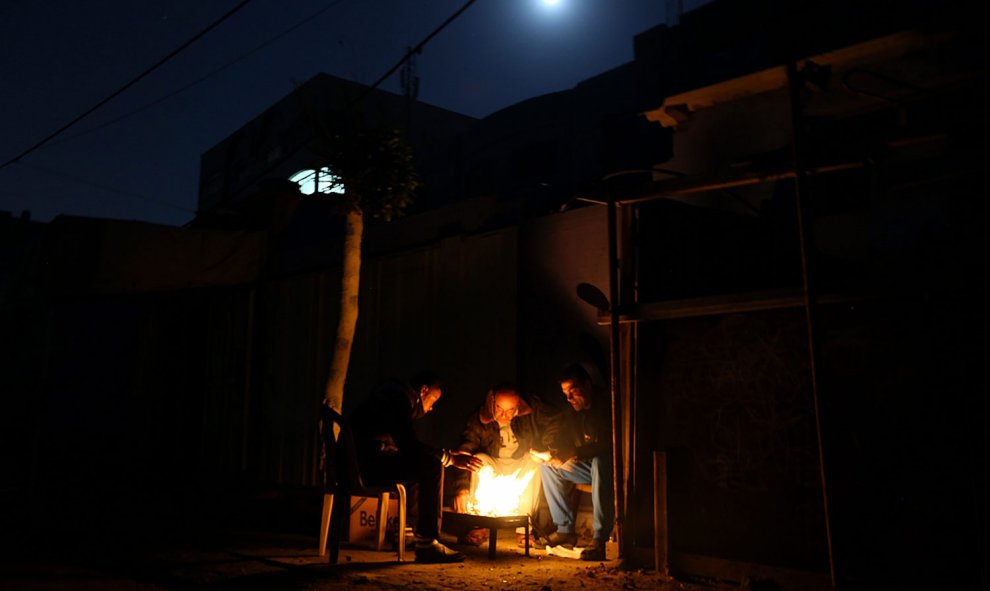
(561, 457)
(465, 461)
(461, 501)
(540, 457)
(386, 445)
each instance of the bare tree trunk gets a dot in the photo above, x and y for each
(349, 284)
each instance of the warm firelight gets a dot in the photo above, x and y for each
(498, 494)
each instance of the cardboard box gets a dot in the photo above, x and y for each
(364, 519)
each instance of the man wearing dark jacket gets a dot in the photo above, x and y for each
(580, 442)
(389, 451)
(502, 433)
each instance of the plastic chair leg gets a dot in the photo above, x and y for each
(402, 521)
(325, 522)
(338, 520)
(382, 524)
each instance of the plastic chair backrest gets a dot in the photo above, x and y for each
(341, 471)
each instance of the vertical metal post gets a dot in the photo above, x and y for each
(249, 377)
(628, 334)
(613, 296)
(794, 85)
(661, 552)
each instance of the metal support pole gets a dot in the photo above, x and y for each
(661, 539)
(794, 85)
(613, 296)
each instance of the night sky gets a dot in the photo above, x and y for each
(137, 157)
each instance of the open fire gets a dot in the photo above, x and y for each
(498, 495)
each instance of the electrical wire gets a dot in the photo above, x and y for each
(126, 86)
(417, 48)
(305, 21)
(95, 185)
(411, 52)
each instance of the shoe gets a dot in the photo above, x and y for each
(594, 552)
(437, 553)
(565, 539)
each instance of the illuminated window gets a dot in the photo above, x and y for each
(310, 181)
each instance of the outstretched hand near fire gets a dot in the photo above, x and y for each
(540, 457)
(465, 461)
(555, 460)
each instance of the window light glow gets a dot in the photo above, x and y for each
(310, 181)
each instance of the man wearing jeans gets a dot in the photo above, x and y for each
(580, 443)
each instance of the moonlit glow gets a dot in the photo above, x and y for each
(551, 8)
(498, 494)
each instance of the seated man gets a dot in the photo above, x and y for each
(389, 451)
(502, 433)
(580, 442)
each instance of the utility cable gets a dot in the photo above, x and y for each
(416, 49)
(307, 20)
(123, 88)
(115, 190)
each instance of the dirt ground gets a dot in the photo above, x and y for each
(270, 562)
(237, 541)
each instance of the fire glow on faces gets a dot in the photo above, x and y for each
(498, 494)
(430, 397)
(578, 394)
(506, 406)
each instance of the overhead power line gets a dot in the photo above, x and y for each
(134, 81)
(418, 47)
(305, 21)
(109, 189)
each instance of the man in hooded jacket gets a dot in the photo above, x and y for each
(502, 433)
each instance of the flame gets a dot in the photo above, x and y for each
(498, 494)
